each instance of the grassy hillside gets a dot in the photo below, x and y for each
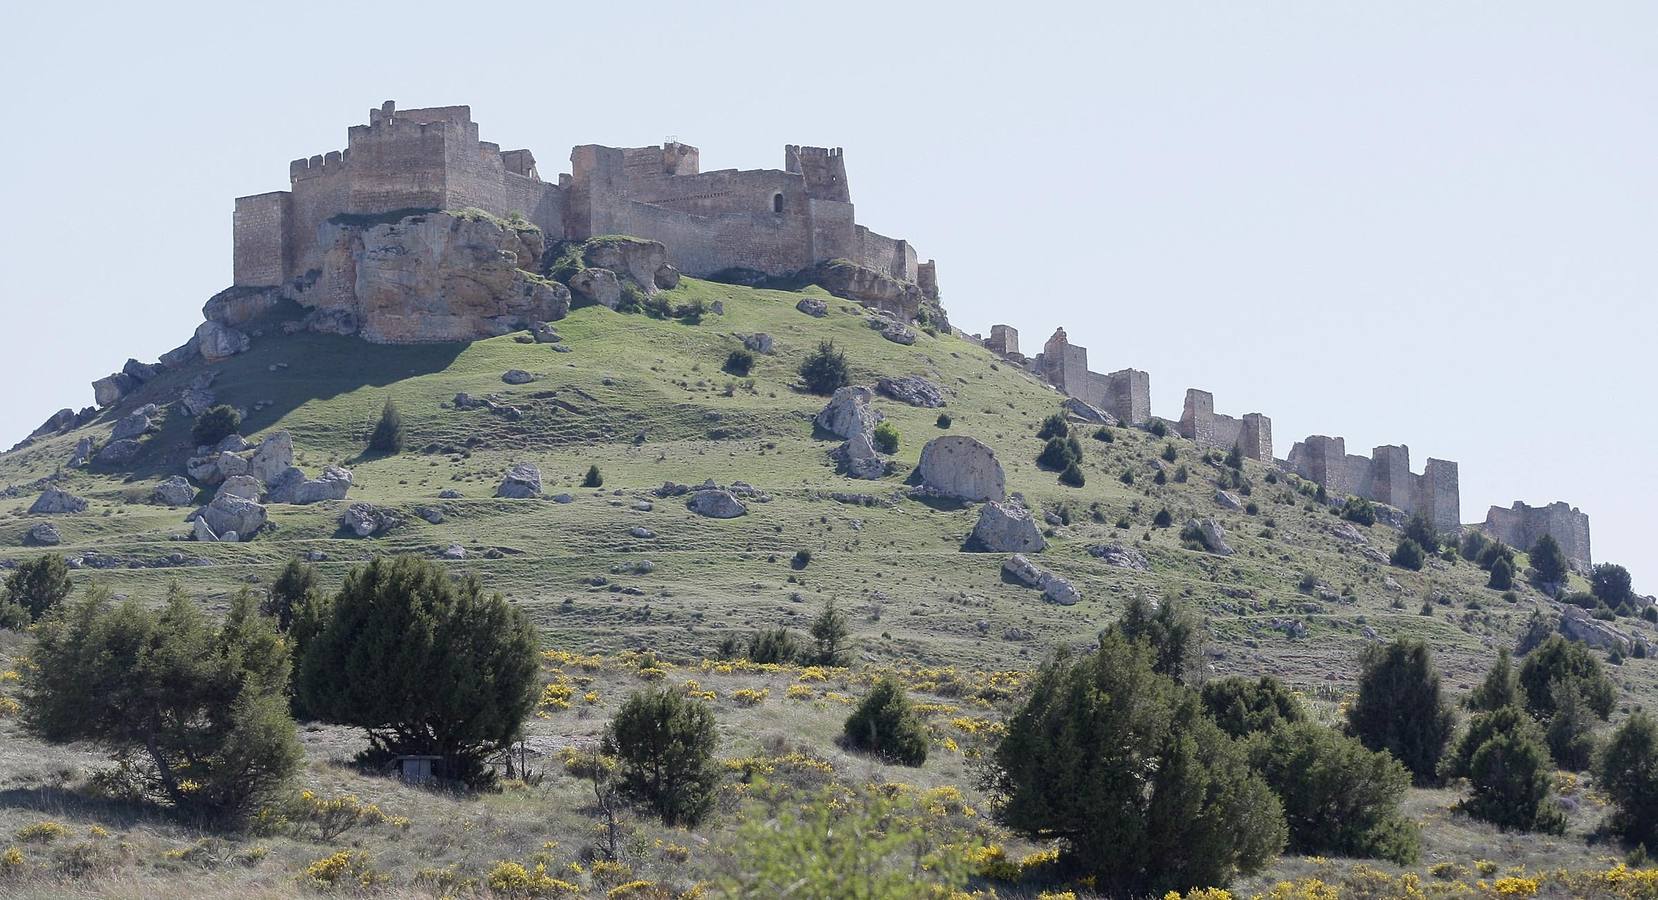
(646, 401)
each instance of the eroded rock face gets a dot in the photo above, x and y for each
(216, 341)
(640, 261)
(230, 514)
(859, 459)
(44, 534)
(961, 467)
(597, 286)
(54, 501)
(849, 413)
(364, 519)
(430, 277)
(174, 491)
(522, 482)
(1005, 528)
(109, 389)
(293, 487)
(716, 503)
(273, 458)
(1211, 534)
(245, 486)
(1576, 624)
(236, 306)
(1088, 412)
(118, 453)
(868, 287)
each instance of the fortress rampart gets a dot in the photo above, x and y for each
(776, 221)
(1521, 525)
(1384, 477)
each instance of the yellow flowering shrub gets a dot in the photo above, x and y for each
(750, 696)
(514, 880)
(9, 707)
(1516, 887)
(43, 832)
(334, 816)
(11, 861)
(991, 861)
(10, 676)
(342, 869)
(638, 890)
(798, 692)
(814, 673)
(557, 694)
(605, 871)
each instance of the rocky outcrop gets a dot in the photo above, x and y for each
(217, 342)
(813, 307)
(716, 503)
(963, 468)
(759, 343)
(912, 389)
(1088, 412)
(81, 455)
(640, 261)
(1006, 527)
(118, 453)
(865, 286)
(429, 277)
(366, 520)
(667, 278)
(236, 306)
(273, 457)
(1228, 500)
(266, 462)
(245, 486)
(43, 534)
(858, 458)
(522, 482)
(1120, 557)
(894, 331)
(1576, 624)
(108, 390)
(517, 376)
(54, 501)
(294, 488)
(135, 424)
(1210, 534)
(849, 413)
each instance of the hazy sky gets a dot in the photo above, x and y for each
(1424, 223)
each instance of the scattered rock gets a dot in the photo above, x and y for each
(849, 413)
(245, 486)
(522, 482)
(366, 519)
(195, 401)
(666, 278)
(1087, 412)
(717, 503)
(517, 376)
(134, 424)
(449, 494)
(1055, 589)
(1006, 527)
(759, 343)
(217, 341)
(173, 491)
(857, 458)
(454, 551)
(1228, 500)
(1022, 570)
(109, 390)
(1210, 534)
(896, 332)
(1121, 557)
(82, 453)
(813, 307)
(293, 487)
(962, 467)
(563, 498)
(431, 514)
(543, 333)
(43, 534)
(1576, 624)
(641, 532)
(53, 502)
(274, 457)
(182, 354)
(912, 389)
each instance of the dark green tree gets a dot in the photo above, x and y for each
(424, 664)
(1502, 575)
(1073, 477)
(739, 363)
(1054, 426)
(1610, 583)
(774, 645)
(1503, 757)
(215, 425)
(1175, 634)
(1339, 798)
(1408, 555)
(825, 369)
(1163, 519)
(886, 725)
(1242, 706)
(1500, 688)
(1056, 455)
(388, 432)
(1558, 660)
(1142, 791)
(39, 584)
(831, 636)
(1359, 511)
(1399, 708)
(665, 744)
(199, 714)
(1570, 732)
(1549, 561)
(1420, 530)
(289, 592)
(1628, 772)
(592, 479)
(885, 437)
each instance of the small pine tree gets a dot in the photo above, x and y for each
(1399, 708)
(1234, 457)
(1072, 476)
(1502, 575)
(825, 369)
(36, 586)
(831, 637)
(886, 724)
(664, 743)
(1054, 426)
(1242, 706)
(1359, 511)
(1408, 555)
(1160, 478)
(1500, 688)
(1127, 477)
(1610, 583)
(1163, 519)
(1169, 453)
(1628, 773)
(1557, 661)
(1175, 634)
(592, 479)
(215, 425)
(1056, 455)
(1104, 434)
(388, 432)
(1549, 561)
(773, 645)
(289, 593)
(1508, 769)
(1420, 530)
(943, 420)
(739, 363)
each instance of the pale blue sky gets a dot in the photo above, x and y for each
(1424, 223)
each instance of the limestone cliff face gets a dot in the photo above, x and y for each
(429, 277)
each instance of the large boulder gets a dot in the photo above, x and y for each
(429, 277)
(364, 519)
(866, 286)
(522, 482)
(134, 424)
(912, 389)
(758, 343)
(849, 413)
(1055, 589)
(195, 401)
(597, 286)
(897, 332)
(716, 503)
(245, 486)
(118, 453)
(813, 307)
(108, 390)
(55, 501)
(181, 354)
(140, 371)
(666, 277)
(82, 454)
(858, 458)
(293, 487)
(236, 306)
(218, 341)
(1088, 412)
(1005, 528)
(1576, 624)
(1120, 557)
(273, 457)
(1210, 534)
(229, 513)
(173, 491)
(43, 534)
(963, 468)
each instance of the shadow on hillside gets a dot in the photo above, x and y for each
(68, 803)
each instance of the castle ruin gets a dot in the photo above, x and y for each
(1384, 477)
(1125, 394)
(771, 221)
(1521, 525)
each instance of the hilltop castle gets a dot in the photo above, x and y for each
(1383, 477)
(771, 221)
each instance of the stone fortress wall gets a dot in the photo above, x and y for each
(1383, 477)
(776, 221)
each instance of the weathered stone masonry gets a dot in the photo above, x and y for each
(1384, 477)
(1521, 525)
(773, 221)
